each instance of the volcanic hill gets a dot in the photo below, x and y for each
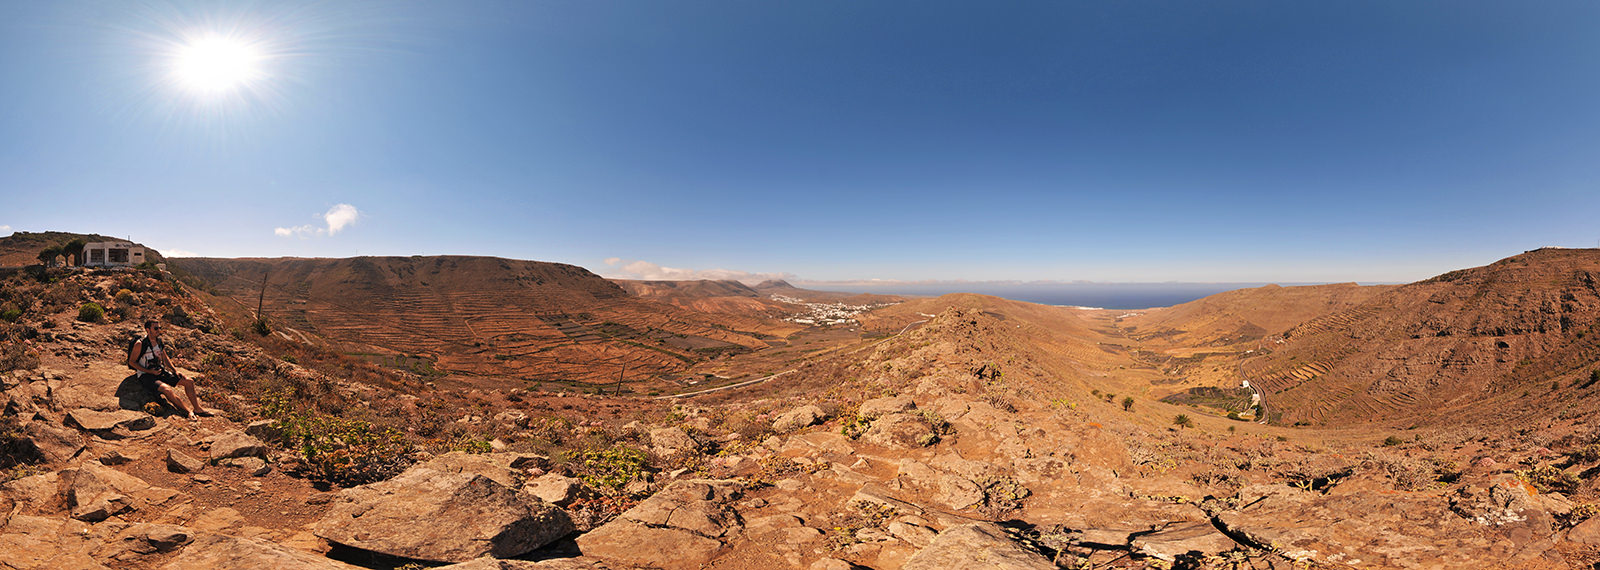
(1509, 341)
(488, 317)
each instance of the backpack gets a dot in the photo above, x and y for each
(136, 342)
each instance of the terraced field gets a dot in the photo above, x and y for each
(484, 316)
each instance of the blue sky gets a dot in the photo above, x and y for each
(827, 141)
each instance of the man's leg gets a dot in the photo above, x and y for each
(194, 399)
(172, 397)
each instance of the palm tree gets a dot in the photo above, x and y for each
(1183, 421)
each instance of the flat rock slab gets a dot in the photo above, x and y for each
(501, 467)
(630, 542)
(48, 543)
(1387, 530)
(977, 545)
(441, 517)
(580, 563)
(1182, 538)
(678, 527)
(218, 552)
(875, 407)
(109, 422)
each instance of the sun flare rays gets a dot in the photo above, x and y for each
(215, 64)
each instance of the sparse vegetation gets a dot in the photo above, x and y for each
(609, 470)
(861, 516)
(1392, 441)
(1548, 478)
(1127, 404)
(854, 426)
(17, 356)
(338, 451)
(1183, 421)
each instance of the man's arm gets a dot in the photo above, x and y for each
(166, 360)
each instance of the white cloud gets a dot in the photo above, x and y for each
(179, 253)
(340, 216)
(5, 228)
(636, 269)
(337, 218)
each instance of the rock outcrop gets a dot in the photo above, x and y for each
(430, 515)
(680, 527)
(219, 552)
(976, 545)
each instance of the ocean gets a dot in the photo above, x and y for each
(1098, 295)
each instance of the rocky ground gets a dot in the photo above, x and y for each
(962, 443)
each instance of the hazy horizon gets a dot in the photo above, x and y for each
(1130, 142)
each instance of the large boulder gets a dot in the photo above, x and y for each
(219, 552)
(672, 441)
(680, 527)
(555, 489)
(95, 492)
(236, 443)
(798, 418)
(900, 430)
(55, 444)
(178, 462)
(977, 545)
(441, 517)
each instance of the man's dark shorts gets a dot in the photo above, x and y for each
(149, 381)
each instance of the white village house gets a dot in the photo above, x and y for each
(112, 254)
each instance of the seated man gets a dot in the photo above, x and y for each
(159, 376)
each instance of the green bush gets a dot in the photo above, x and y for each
(91, 313)
(1127, 404)
(1183, 421)
(1392, 441)
(609, 470)
(126, 297)
(10, 313)
(261, 326)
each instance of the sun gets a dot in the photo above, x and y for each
(214, 64)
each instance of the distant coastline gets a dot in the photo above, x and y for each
(1119, 296)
